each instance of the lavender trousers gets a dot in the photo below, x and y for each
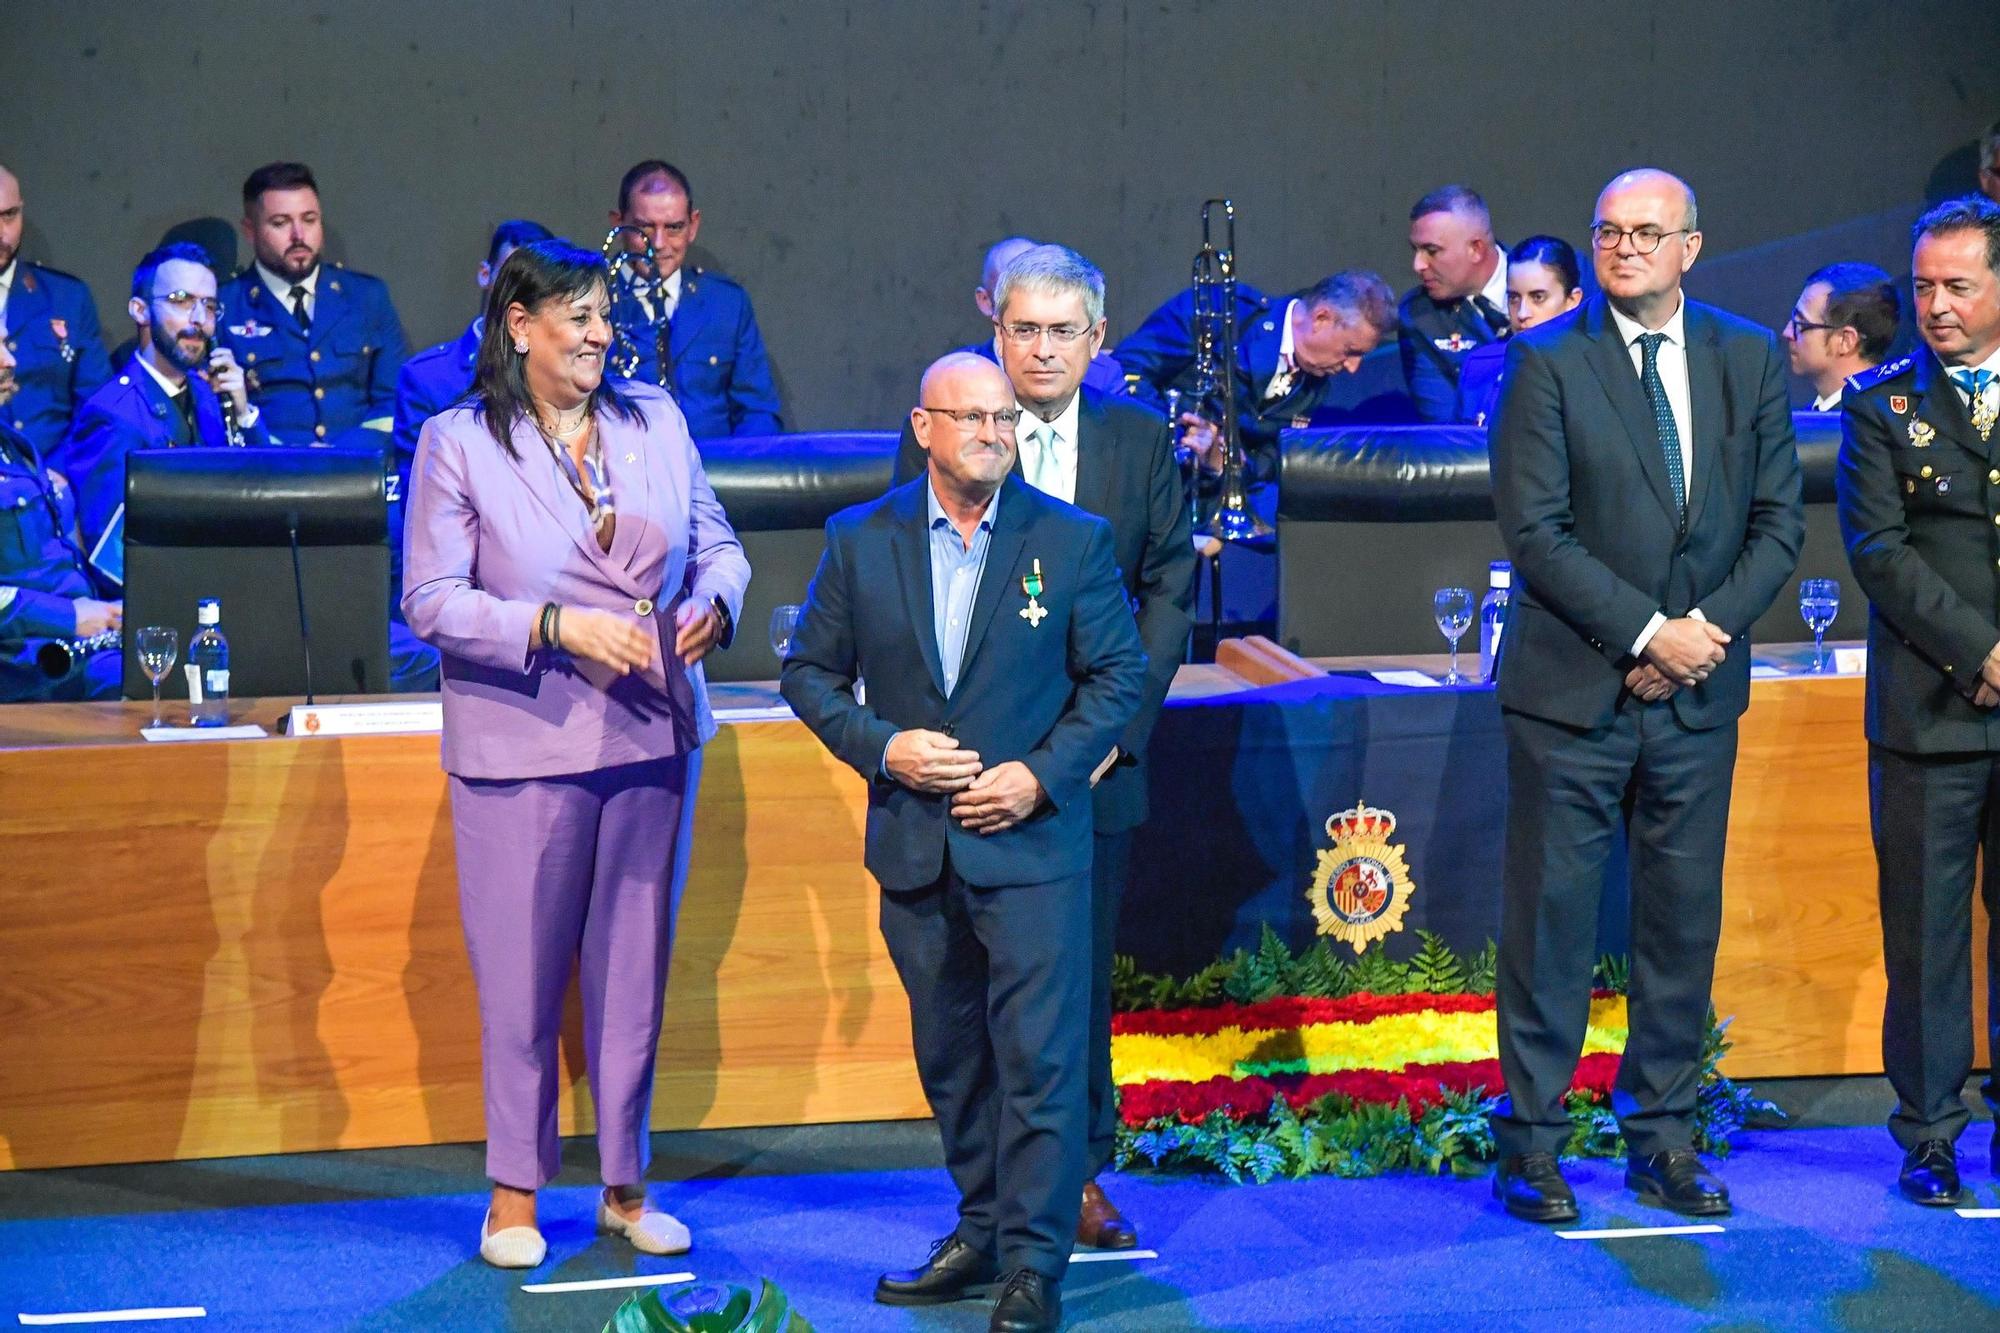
(571, 874)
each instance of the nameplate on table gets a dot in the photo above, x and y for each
(1850, 661)
(246, 731)
(370, 719)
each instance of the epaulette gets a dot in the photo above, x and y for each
(1862, 380)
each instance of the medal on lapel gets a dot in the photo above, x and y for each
(1921, 433)
(60, 327)
(1031, 584)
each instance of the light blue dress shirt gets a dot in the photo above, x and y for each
(955, 571)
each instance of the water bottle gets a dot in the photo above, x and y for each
(1493, 616)
(208, 667)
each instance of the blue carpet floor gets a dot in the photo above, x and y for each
(385, 1240)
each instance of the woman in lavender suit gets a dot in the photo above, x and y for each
(568, 559)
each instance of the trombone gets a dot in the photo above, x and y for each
(623, 354)
(1214, 393)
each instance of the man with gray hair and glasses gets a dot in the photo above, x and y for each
(1112, 457)
(1103, 374)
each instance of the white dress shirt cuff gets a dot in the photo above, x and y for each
(1646, 634)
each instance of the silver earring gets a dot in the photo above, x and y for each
(520, 349)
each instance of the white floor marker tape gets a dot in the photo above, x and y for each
(116, 1316)
(1634, 1233)
(1112, 1256)
(1979, 1213)
(607, 1283)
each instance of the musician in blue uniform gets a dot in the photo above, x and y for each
(1288, 350)
(1460, 301)
(715, 364)
(321, 345)
(49, 323)
(1543, 281)
(168, 395)
(47, 596)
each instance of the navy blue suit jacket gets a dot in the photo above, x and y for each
(721, 376)
(52, 331)
(1580, 486)
(328, 385)
(1055, 695)
(132, 412)
(431, 381)
(1159, 355)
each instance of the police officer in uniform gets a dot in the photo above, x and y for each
(1460, 300)
(49, 323)
(1919, 499)
(48, 599)
(715, 367)
(165, 397)
(1288, 351)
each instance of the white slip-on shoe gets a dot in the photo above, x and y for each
(654, 1233)
(514, 1247)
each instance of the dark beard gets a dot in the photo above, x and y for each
(176, 353)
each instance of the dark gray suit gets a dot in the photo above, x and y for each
(990, 934)
(1585, 510)
(1922, 525)
(1126, 473)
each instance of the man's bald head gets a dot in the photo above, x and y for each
(10, 217)
(1649, 181)
(965, 422)
(998, 256)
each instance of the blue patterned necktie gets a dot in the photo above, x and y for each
(1663, 419)
(1976, 383)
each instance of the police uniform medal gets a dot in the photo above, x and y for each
(1031, 584)
(1921, 433)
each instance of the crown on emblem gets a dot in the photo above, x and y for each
(1362, 821)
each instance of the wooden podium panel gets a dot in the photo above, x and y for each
(224, 948)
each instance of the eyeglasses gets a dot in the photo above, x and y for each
(1800, 326)
(1645, 240)
(670, 228)
(1026, 335)
(182, 303)
(970, 418)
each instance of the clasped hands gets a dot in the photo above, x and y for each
(1988, 691)
(983, 800)
(1682, 653)
(626, 645)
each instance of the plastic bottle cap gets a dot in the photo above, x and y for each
(208, 612)
(1500, 576)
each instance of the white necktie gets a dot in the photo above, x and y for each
(1041, 474)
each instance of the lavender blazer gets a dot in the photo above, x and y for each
(491, 538)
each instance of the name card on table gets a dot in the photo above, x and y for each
(370, 719)
(1850, 661)
(244, 731)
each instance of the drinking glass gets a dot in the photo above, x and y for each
(784, 627)
(1452, 608)
(157, 647)
(1819, 603)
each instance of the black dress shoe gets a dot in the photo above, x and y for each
(1533, 1188)
(1029, 1303)
(1675, 1179)
(1930, 1174)
(951, 1272)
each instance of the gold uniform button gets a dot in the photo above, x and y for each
(321, 393)
(711, 360)
(644, 606)
(1994, 476)
(312, 356)
(320, 431)
(1926, 472)
(249, 358)
(1909, 486)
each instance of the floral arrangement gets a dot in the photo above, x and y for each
(1267, 1064)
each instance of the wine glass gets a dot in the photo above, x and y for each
(784, 628)
(1452, 608)
(157, 646)
(1819, 603)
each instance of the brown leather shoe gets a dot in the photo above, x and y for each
(1101, 1224)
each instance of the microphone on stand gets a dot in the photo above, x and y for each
(299, 587)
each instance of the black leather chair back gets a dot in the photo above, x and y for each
(217, 523)
(1372, 520)
(779, 491)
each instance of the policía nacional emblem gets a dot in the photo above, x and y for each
(1031, 584)
(1361, 887)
